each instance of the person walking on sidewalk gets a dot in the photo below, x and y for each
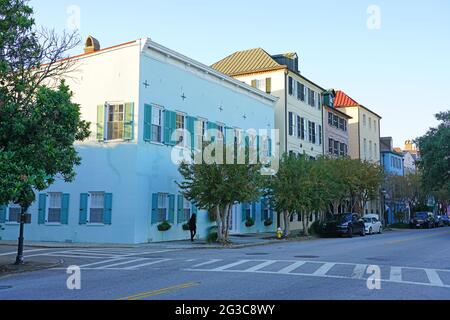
(193, 226)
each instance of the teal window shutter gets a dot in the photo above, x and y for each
(101, 122)
(180, 209)
(271, 215)
(154, 208)
(42, 208)
(170, 119)
(244, 211)
(171, 218)
(128, 124)
(107, 215)
(2, 213)
(191, 129)
(65, 208)
(83, 208)
(147, 122)
(254, 210)
(263, 207)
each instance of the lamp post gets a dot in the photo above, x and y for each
(383, 193)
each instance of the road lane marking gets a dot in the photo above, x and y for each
(291, 267)
(206, 263)
(396, 274)
(434, 278)
(323, 270)
(120, 263)
(26, 251)
(146, 264)
(144, 295)
(359, 271)
(101, 262)
(231, 265)
(261, 266)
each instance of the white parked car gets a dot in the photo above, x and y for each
(373, 224)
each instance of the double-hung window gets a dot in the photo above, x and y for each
(180, 124)
(342, 150)
(320, 135)
(299, 127)
(370, 123)
(186, 210)
(291, 124)
(115, 122)
(336, 148)
(330, 118)
(14, 212)
(54, 208)
(330, 146)
(302, 128)
(162, 207)
(157, 122)
(291, 86)
(96, 207)
(314, 133)
(336, 121)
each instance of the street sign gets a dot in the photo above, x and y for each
(26, 218)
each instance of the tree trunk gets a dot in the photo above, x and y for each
(287, 227)
(226, 219)
(221, 236)
(305, 223)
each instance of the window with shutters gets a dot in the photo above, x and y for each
(336, 121)
(310, 131)
(364, 120)
(186, 210)
(54, 201)
(365, 149)
(157, 124)
(314, 133)
(336, 148)
(14, 212)
(302, 128)
(96, 207)
(342, 150)
(291, 86)
(291, 124)
(180, 124)
(162, 207)
(299, 127)
(370, 149)
(370, 123)
(115, 116)
(330, 146)
(330, 118)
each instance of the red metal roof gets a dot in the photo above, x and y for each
(343, 100)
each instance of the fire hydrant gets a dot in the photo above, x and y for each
(279, 233)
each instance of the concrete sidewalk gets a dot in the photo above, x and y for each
(238, 241)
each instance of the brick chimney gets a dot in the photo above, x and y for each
(91, 45)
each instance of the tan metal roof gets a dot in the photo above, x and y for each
(241, 62)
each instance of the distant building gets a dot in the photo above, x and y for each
(391, 160)
(335, 123)
(410, 156)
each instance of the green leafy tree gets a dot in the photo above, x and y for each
(39, 123)
(434, 162)
(216, 187)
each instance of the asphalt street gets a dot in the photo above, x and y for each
(413, 264)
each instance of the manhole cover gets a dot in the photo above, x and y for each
(5, 287)
(307, 257)
(257, 254)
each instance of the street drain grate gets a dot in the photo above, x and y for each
(257, 254)
(307, 257)
(5, 287)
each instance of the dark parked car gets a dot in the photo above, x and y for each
(347, 224)
(439, 221)
(422, 220)
(445, 220)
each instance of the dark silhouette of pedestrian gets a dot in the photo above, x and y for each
(193, 226)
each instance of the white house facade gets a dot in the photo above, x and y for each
(136, 95)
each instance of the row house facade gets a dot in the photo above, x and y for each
(135, 95)
(335, 122)
(364, 136)
(299, 110)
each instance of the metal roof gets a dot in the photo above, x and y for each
(247, 61)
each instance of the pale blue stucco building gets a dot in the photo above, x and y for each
(136, 95)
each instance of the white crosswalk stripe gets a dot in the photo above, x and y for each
(147, 264)
(356, 272)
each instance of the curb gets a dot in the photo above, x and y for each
(8, 274)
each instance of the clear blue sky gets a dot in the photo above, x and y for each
(401, 71)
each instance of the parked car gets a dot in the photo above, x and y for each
(439, 221)
(347, 224)
(373, 224)
(446, 220)
(422, 220)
